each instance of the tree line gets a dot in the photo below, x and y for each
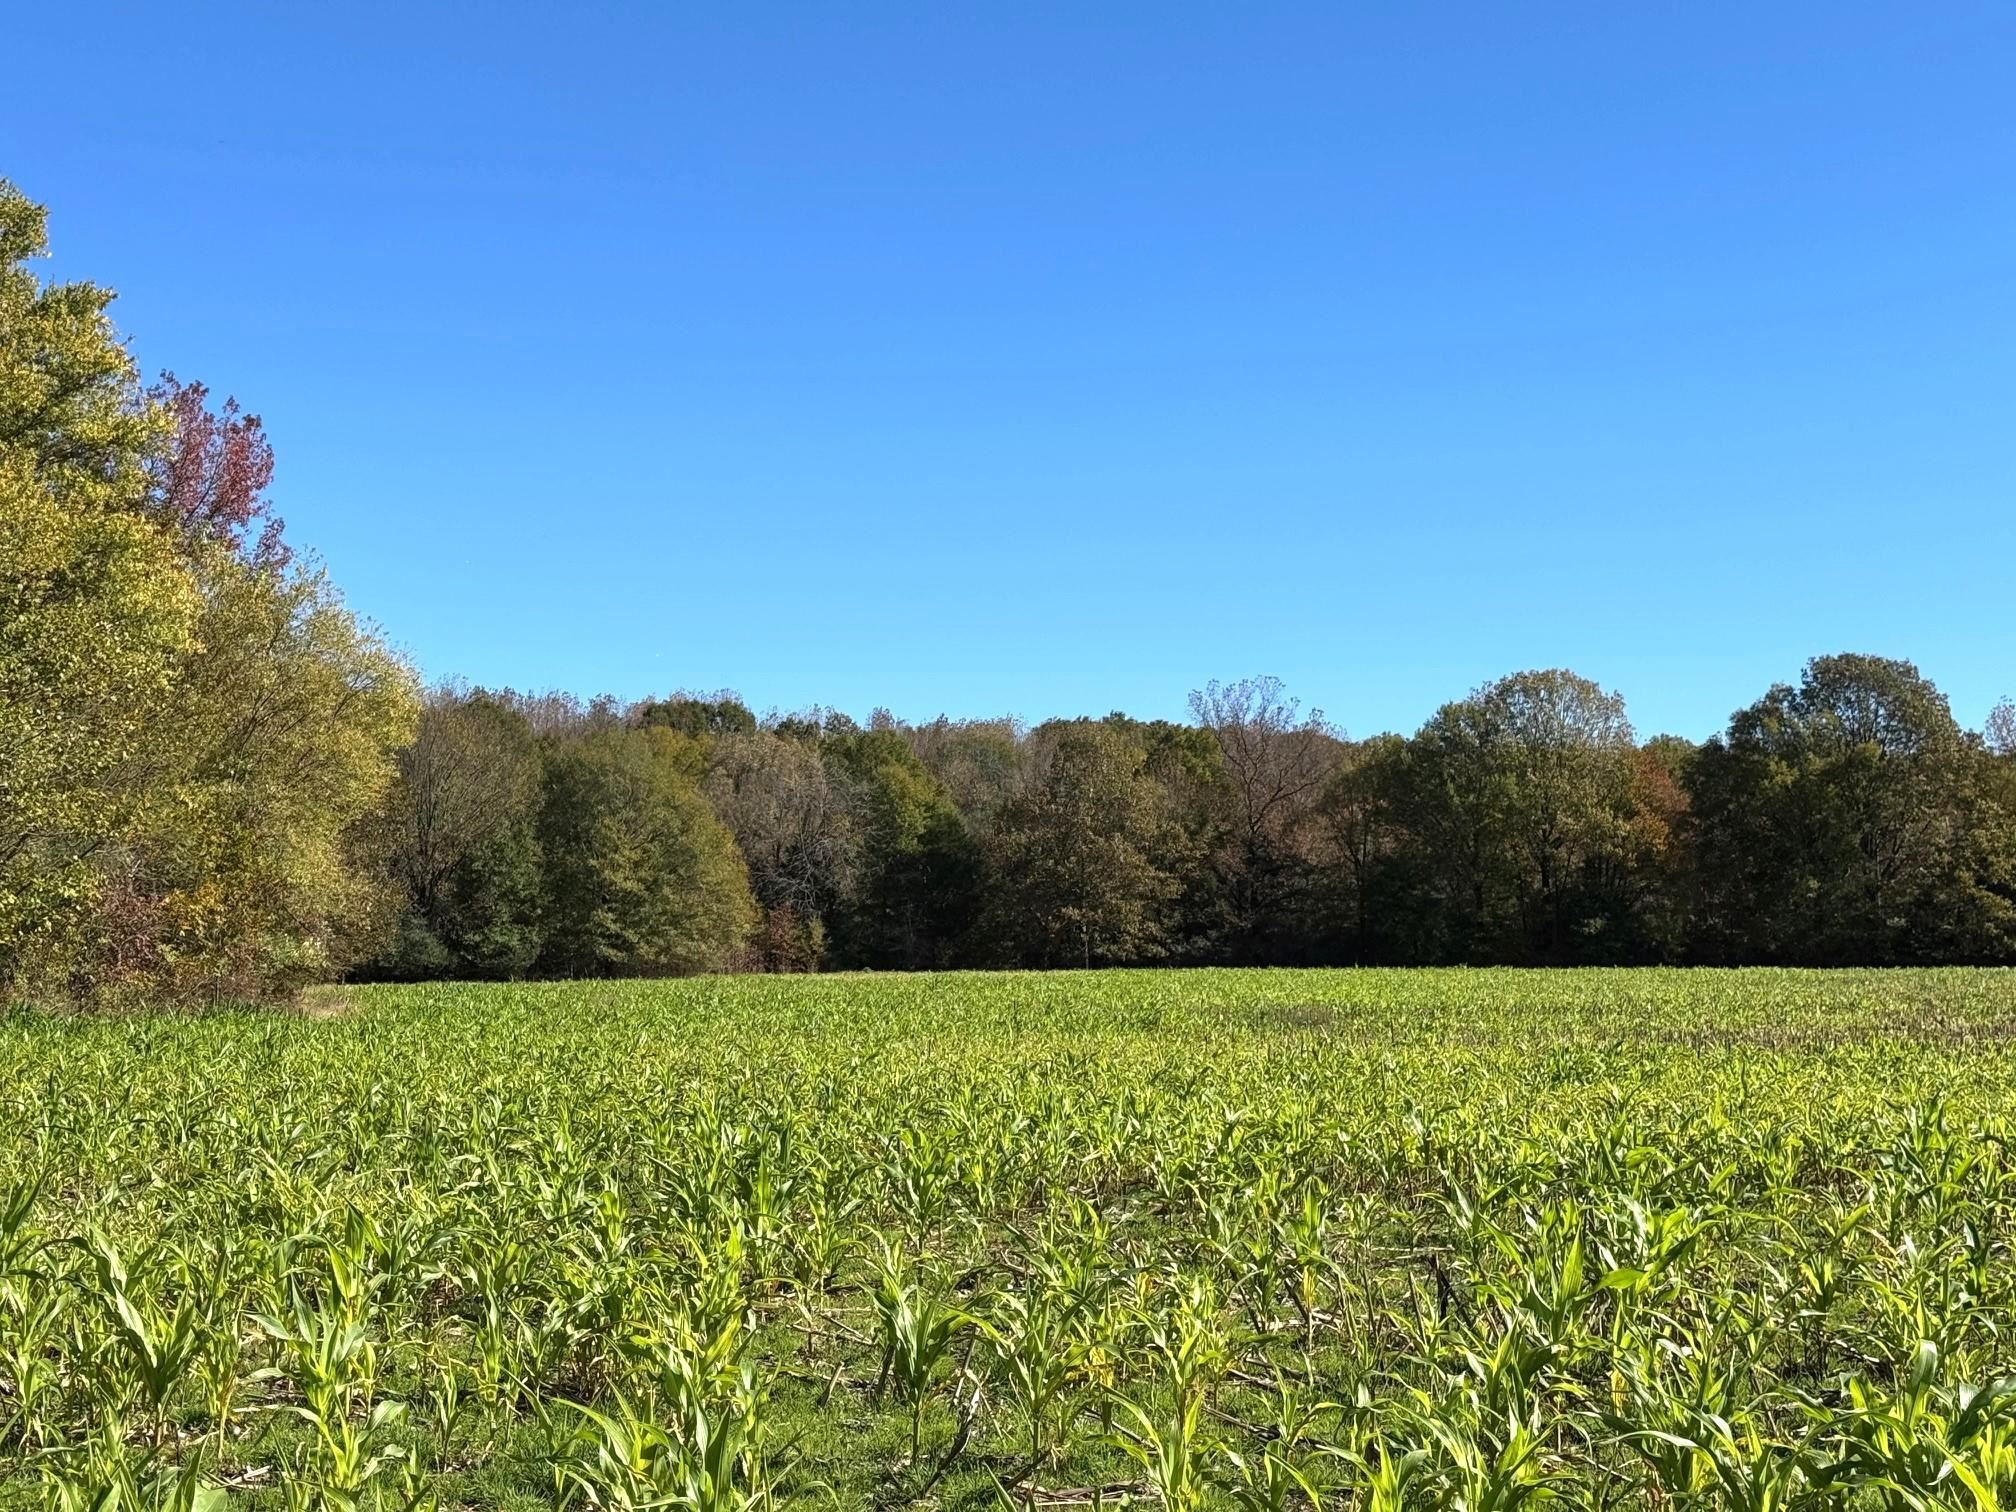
(216, 783)
(1846, 818)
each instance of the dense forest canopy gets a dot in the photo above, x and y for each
(216, 783)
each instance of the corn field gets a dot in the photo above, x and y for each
(1193, 1239)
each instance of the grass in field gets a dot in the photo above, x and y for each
(1381, 1239)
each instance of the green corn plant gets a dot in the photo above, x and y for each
(159, 1342)
(1170, 1446)
(1490, 1464)
(1303, 1236)
(1611, 1239)
(1280, 1474)
(1392, 1482)
(1168, 1439)
(31, 1331)
(1981, 1444)
(331, 1361)
(1912, 1447)
(103, 1475)
(707, 1458)
(20, 1241)
(1747, 1469)
(1038, 1354)
(918, 1325)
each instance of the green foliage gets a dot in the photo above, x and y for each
(1521, 795)
(978, 762)
(1086, 861)
(225, 858)
(919, 870)
(490, 912)
(641, 878)
(1523, 824)
(189, 739)
(1253, 1240)
(96, 612)
(723, 714)
(241, 876)
(1850, 818)
(70, 406)
(96, 617)
(458, 834)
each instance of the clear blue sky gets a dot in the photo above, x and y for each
(1053, 359)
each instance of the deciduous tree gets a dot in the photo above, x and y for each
(796, 834)
(1520, 797)
(460, 837)
(1079, 857)
(1275, 761)
(208, 481)
(97, 616)
(194, 729)
(641, 877)
(919, 880)
(1848, 819)
(245, 872)
(2001, 728)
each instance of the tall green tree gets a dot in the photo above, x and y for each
(1521, 799)
(71, 410)
(1373, 893)
(696, 715)
(1081, 857)
(460, 837)
(247, 871)
(641, 878)
(920, 879)
(96, 618)
(1849, 819)
(1185, 764)
(192, 728)
(97, 611)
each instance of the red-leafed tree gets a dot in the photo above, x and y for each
(210, 480)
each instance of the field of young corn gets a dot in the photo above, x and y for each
(1205, 1239)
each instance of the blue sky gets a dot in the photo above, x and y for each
(1054, 358)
